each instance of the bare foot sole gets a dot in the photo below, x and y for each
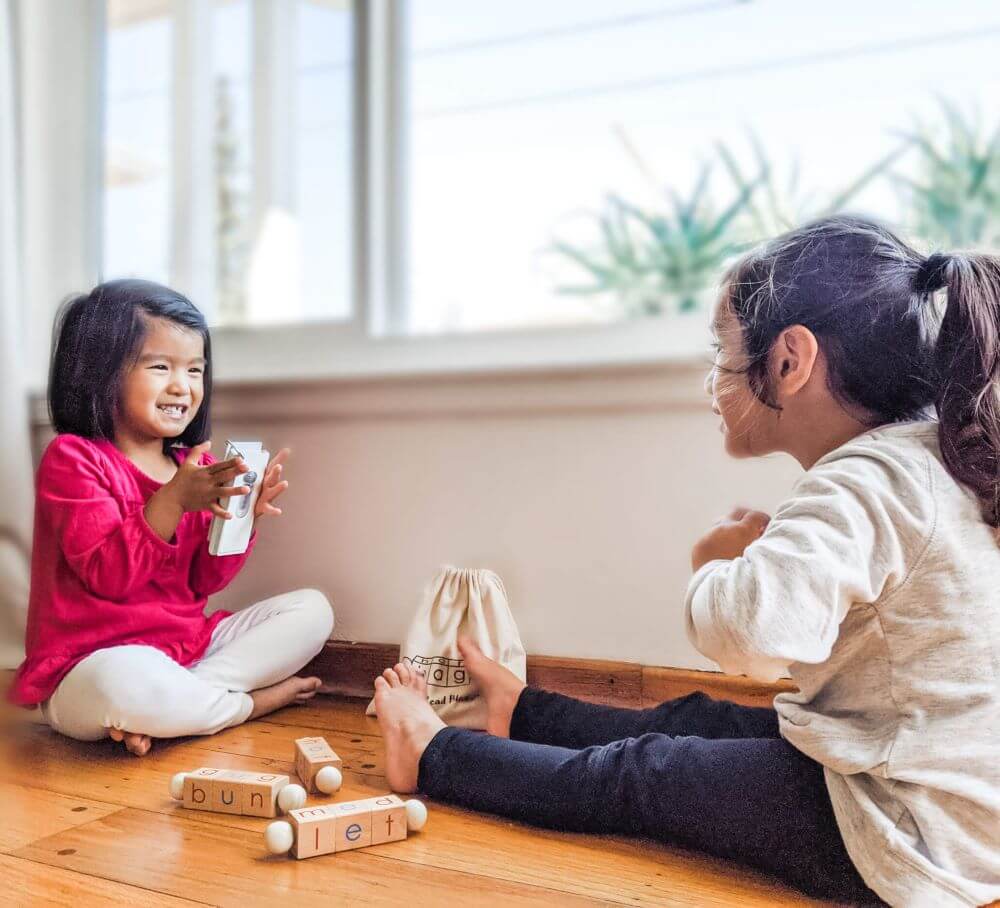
(499, 686)
(284, 693)
(408, 724)
(139, 745)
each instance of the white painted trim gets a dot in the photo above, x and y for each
(327, 351)
(193, 216)
(652, 388)
(383, 73)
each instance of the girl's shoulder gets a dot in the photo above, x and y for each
(69, 447)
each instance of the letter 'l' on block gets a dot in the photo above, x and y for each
(315, 829)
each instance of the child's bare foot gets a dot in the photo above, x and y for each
(408, 723)
(284, 693)
(134, 744)
(499, 687)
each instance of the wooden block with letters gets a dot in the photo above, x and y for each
(311, 756)
(330, 828)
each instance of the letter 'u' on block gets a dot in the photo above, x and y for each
(311, 755)
(388, 819)
(315, 829)
(198, 786)
(227, 791)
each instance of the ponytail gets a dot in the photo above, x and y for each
(967, 360)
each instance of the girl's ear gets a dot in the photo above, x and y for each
(793, 358)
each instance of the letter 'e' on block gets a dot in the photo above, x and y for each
(260, 793)
(388, 819)
(354, 825)
(198, 787)
(314, 830)
(311, 755)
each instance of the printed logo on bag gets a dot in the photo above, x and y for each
(440, 671)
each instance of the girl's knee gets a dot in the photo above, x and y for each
(317, 615)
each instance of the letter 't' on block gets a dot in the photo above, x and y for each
(354, 825)
(198, 787)
(260, 793)
(388, 819)
(315, 829)
(311, 755)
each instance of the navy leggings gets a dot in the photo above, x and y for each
(695, 772)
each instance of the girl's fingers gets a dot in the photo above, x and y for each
(224, 465)
(229, 491)
(219, 511)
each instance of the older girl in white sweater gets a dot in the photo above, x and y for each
(876, 586)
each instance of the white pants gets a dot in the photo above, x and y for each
(142, 690)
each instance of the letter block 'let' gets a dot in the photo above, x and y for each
(329, 828)
(312, 756)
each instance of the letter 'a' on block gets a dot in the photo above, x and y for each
(311, 755)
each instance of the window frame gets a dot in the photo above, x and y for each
(373, 339)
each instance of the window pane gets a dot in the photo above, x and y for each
(526, 117)
(279, 207)
(323, 185)
(137, 144)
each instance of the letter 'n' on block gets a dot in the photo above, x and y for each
(311, 755)
(260, 793)
(388, 819)
(314, 830)
(198, 787)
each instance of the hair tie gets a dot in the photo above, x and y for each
(930, 276)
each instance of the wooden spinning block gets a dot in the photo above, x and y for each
(198, 786)
(260, 794)
(231, 791)
(311, 755)
(315, 829)
(388, 819)
(344, 827)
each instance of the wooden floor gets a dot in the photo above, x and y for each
(89, 824)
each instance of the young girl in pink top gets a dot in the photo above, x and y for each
(117, 642)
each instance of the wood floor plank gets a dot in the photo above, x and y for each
(229, 867)
(32, 813)
(606, 869)
(43, 885)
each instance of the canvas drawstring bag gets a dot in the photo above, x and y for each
(460, 603)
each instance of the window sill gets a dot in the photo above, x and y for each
(304, 352)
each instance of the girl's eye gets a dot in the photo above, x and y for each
(196, 371)
(158, 366)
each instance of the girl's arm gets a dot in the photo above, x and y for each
(842, 538)
(105, 538)
(211, 573)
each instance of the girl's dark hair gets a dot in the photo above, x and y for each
(892, 351)
(97, 337)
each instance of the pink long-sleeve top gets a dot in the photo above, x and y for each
(101, 576)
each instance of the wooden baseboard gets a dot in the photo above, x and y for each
(348, 669)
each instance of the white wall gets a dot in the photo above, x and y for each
(584, 491)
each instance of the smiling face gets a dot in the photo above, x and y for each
(747, 424)
(162, 391)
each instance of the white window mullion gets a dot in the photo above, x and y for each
(275, 272)
(382, 133)
(193, 219)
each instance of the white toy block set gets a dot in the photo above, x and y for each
(309, 831)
